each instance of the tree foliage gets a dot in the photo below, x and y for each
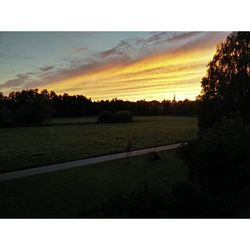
(218, 162)
(219, 158)
(36, 111)
(226, 87)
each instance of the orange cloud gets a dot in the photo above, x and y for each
(159, 76)
(152, 68)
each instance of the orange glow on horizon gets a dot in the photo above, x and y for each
(156, 77)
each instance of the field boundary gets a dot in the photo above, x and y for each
(84, 162)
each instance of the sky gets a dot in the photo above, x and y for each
(106, 65)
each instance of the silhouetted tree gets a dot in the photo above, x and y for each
(36, 111)
(78, 105)
(226, 88)
(219, 158)
(218, 162)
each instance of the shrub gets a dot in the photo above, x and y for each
(6, 118)
(221, 154)
(124, 116)
(219, 163)
(106, 117)
(37, 111)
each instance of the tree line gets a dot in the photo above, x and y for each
(36, 107)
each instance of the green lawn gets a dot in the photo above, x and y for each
(76, 138)
(66, 193)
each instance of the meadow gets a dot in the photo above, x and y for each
(76, 138)
(67, 193)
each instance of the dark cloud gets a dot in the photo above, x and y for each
(47, 68)
(167, 39)
(18, 81)
(63, 73)
(119, 50)
(109, 52)
(25, 74)
(156, 42)
(153, 38)
(127, 51)
(185, 36)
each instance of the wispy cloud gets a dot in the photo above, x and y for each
(19, 81)
(47, 68)
(131, 61)
(79, 50)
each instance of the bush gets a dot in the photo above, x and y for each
(219, 163)
(37, 111)
(124, 116)
(6, 118)
(106, 117)
(221, 154)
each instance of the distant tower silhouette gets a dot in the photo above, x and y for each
(174, 99)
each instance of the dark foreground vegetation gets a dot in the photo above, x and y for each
(67, 193)
(31, 107)
(218, 185)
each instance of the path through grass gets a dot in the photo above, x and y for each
(77, 138)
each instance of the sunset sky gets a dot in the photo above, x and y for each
(106, 65)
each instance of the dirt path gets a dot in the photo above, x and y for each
(79, 163)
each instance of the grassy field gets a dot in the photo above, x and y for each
(66, 193)
(76, 138)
